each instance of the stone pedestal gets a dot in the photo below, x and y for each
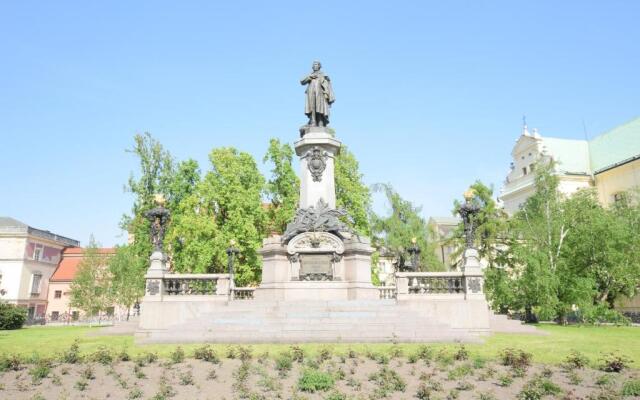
(317, 151)
(154, 290)
(349, 263)
(474, 278)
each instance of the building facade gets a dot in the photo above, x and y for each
(609, 162)
(59, 300)
(28, 258)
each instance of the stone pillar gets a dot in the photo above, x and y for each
(223, 286)
(473, 276)
(402, 284)
(317, 151)
(154, 290)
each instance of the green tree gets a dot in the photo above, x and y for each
(603, 244)
(156, 176)
(396, 231)
(127, 271)
(192, 234)
(91, 288)
(283, 189)
(234, 188)
(352, 194)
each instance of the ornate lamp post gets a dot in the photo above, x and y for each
(467, 212)
(232, 252)
(414, 254)
(158, 216)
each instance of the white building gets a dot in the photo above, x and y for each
(610, 162)
(28, 258)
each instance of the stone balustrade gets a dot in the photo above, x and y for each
(450, 284)
(387, 292)
(243, 293)
(166, 285)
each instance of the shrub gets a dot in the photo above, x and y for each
(614, 363)
(396, 351)
(459, 372)
(515, 358)
(424, 392)
(40, 371)
(177, 356)
(631, 388)
(206, 353)
(135, 393)
(574, 378)
(72, 354)
(324, 354)
(81, 385)
(297, 354)
(284, 363)
(88, 373)
(461, 354)
(602, 314)
(576, 360)
(464, 385)
(486, 396)
(244, 353)
(352, 353)
(102, 356)
(505, 380)
(336, 396)
(425, 353)
(537, 388)
(12, 363)
(388, 380)
(313, 381)
(123, 355)
(12, 316)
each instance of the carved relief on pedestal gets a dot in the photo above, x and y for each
(313, 255)
(316, 162)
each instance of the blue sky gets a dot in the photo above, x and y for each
(430, 95)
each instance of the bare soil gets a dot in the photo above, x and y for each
(196, 379)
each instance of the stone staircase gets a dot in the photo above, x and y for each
(252, 321)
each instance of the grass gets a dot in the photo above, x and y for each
(591, 341)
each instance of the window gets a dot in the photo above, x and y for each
(57, 294)
(37, 252)
(524, 170)
(35, 283)
(55, 315)
(532, 167)
(75, 315)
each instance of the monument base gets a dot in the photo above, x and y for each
(340, 270)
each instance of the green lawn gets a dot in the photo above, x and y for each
(552, 349)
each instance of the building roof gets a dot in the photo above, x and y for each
(12, 225)
(571, 155)
(617, 146)
(71, 259)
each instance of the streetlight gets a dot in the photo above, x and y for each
(414, 253)
(232, 252)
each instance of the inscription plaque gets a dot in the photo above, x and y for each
(316, 267)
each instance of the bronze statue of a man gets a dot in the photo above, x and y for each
(319, 96)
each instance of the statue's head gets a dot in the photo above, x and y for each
(316, 66)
